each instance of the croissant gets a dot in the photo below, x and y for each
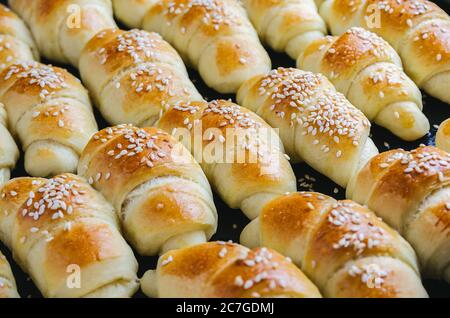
(66, 237)
(226, 270)
(316, 123)
(286, 25)
(16, 43)
(443, 136)
(418, 30)
(342, 246)
(367, 70)
(214, 36)
(62, 28)
(134, 75)
(163, 198)
(240, 154)
(411, 192)
(8, 287)
(50, 112)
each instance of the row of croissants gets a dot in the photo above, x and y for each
(94, 195)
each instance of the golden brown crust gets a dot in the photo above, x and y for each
(35, 219)
(230, 270)
(387, 78)
(50, 113)
(61, 222)
(284, 24)
(205, 31)
(46, 8)
(346, 9)
(170, 208)
(409, 190)
(25, 85)
(316, 123)
(212, 18)
(127, 156)
(367, 70)
(116, 50)
(290, 218)
(16, 43)
(64, 128)
(429, 42)
(376, 277)
(417, 30)
(349, 231)
(409, 180)
(63, 27)
(353, 51)
(251, 161)
(156, 186)
(231, 57)
(134, 75)
(333, 241)
(291, 91)
(82, 245)
(398, 17)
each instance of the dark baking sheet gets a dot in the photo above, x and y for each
(231, 222)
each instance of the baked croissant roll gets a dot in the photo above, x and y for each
(62, 28)
(226, 270)
(50, 113)
(443, 136)
(8, 287)
(418, 30)
(240, 154)
(368, 71)
(411, 192)
(16, 43)
(214, 36)
(316, 123)
(162, 196)
(66, 237)
(286, 25)
(342, 246)
(134, 75)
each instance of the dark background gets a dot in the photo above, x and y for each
(231, 222)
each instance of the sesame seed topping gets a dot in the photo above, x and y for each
(57, 198)
(45, 77)
(318, 111)
(429, 162)
(372, 275)
(151, 147)
(213, 13)
(257, 267)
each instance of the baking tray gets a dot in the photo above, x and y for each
(231, 222)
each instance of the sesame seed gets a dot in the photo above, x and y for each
(167, 261)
